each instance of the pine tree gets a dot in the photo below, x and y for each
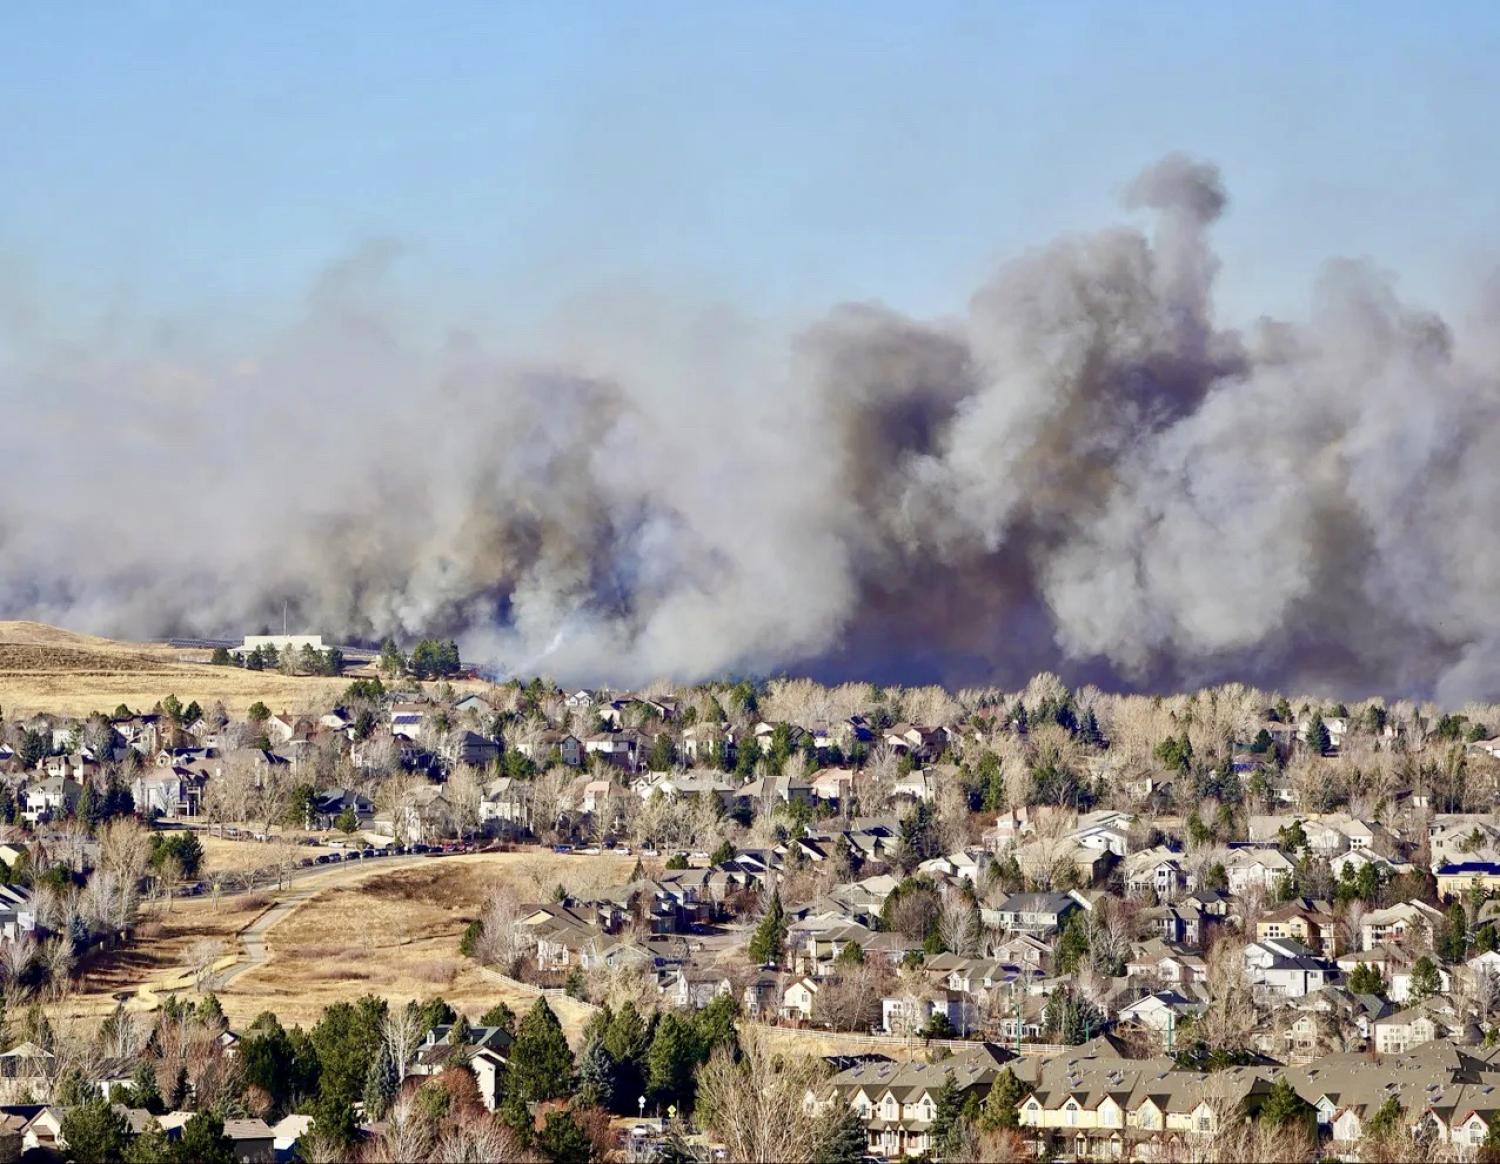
(380, 1086)
(204, 1142)
(180, 1090)
(94, 1131)
(1285, 1108)
(626, 1040)
(1366, 979)
(150, 1146)
(1317, 736)
(541, 1066)
(1425, 980)
(947, 1111)
(596, 1074)
(671, 1060)
(769, 941)
(1002, 1105)
(841, 1138)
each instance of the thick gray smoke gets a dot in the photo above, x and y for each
(1084, 474)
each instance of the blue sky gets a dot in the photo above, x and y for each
(178, 159)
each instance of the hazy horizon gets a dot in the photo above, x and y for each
(1150, 346)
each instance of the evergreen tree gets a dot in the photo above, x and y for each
(94, 1131)
(1425, 980)
(499, 1015)
(1318, 740)
(1091, 733)
(1387, 1119)
(346, 1038)
(947, 1112)
(714, 1026)
(768, 944)
(563, 1141)
(150, 1147)
(144, 1091)
(180, 1090)
(841, 1137)
(596, 1074)
(1002, 1105)
(1452, 938)
(1285, 1108)
(204, 1142)
(541, 1066)
(1366, 979)
(991, 781)
(671, 1060)
(626, 1039)
(380, 1086)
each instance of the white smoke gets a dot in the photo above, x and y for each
(1086, 473)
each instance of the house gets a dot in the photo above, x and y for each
(1311, 923)
(1034, 913)
(762, 994)
(1285, 966)
(1161, 1011)
(172, 792)
(918, 784)
(898, 1101)
(693, 988)
(475, 705)
(1159, 870)
(923, 744)
(408, 720)
(1458, 877)
(485, 1050)
(566, 745)
(832, 785)
(1255, 869)
(503, 802)
(622, 749)
(800, 998)
(57, 796)
(1091, 1103)
(470, 749)
(1432, 1019)
(1162, 963)
(565, 935)
(706, 743)
(330, 804)
(912, 1013)
(1395, 965)
(1010, 826)
(252, 1140)
(1405, 922)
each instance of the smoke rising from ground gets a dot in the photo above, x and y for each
(1083, 474)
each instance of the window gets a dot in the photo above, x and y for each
(1205, 1123)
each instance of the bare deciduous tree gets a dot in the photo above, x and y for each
(755, 1106)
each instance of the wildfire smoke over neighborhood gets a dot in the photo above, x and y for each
(1084, 473)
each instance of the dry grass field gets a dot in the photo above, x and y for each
(159, 950)
(397, 935)
(45, 669)
(387, 930)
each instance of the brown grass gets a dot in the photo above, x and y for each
(47, 669)
(388, 931)
(159, 948)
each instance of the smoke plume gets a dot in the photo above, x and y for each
(1084, 473)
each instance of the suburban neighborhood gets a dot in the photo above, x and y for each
(1045, 924)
